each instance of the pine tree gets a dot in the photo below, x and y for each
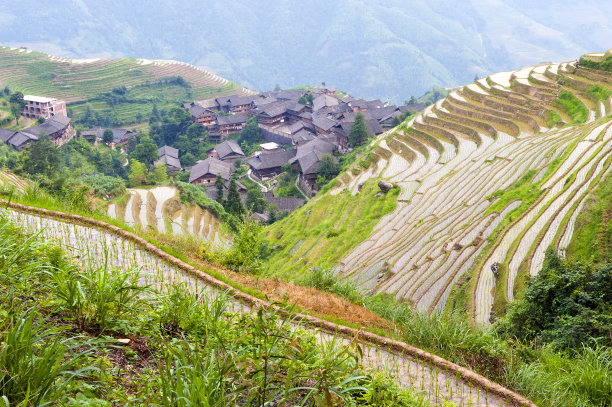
(359, 131)
(219, 185)
(233, 203)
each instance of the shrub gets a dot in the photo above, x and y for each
(566, 305)
(103, 185)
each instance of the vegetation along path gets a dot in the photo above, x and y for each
(94, 241)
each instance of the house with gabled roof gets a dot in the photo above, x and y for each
(56, 127)
(241, 104)
(324, 101)
(169, 156)
(308, 158)
(270, 164)
(323, 124)
(227, 125)
(228, 151)
(206, 171)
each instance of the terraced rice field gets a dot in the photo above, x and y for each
(159, 208)
(451, 164)
(11, 182)
(79, 81)
(93, 246)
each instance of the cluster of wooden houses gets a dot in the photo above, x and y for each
(308, 123)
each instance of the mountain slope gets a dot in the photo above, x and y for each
(489, 178)
(368, 48)
(100, 82)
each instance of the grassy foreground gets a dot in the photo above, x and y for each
(74, 334)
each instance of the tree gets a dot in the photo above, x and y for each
(255, 200)
(329, 167)
(107, 136)
(160, 174)
(307, 99)
(188, 160)
(138, 173)
(247, 252)
(17, 105)
(219, 185)
(233, 203)
(566, 305)
(145, 151)
(250, 133)
(359, 131)
(43, 157)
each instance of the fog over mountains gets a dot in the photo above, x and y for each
(372, 48)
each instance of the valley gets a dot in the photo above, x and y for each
(344, 261)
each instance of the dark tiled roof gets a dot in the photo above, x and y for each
(285, 203)
(6, 134)
(373, 126)
(21, 139)
(323, 122)
(169, 151)
(302, 137)
(208, 103)
(228, 147)
(306, 115)
(384, 113)
(275, 109)
(415, 107)
(169, 161)
(241, 100)
(196, 110)
(232, 119)
(321, 101)
(285, 94)
(309, 155)
(210, 166)
(272, 159)
(51, 126)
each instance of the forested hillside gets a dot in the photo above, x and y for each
(373, 49)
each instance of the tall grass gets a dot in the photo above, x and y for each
(36, 361)
(187, 346)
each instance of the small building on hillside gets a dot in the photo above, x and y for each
(228, 151)
(169, 156)
(228, 125)
(241, 104)
(120, 136)
(56, 127)
(308, 159)
(323, 101)
(273, 113)
(40, 106)
(205, 117)
(283, 203)
(323, 124)
(270, 164)
(206, 171)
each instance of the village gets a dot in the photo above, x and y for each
(296, 130)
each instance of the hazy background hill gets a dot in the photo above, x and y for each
(373, 48)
